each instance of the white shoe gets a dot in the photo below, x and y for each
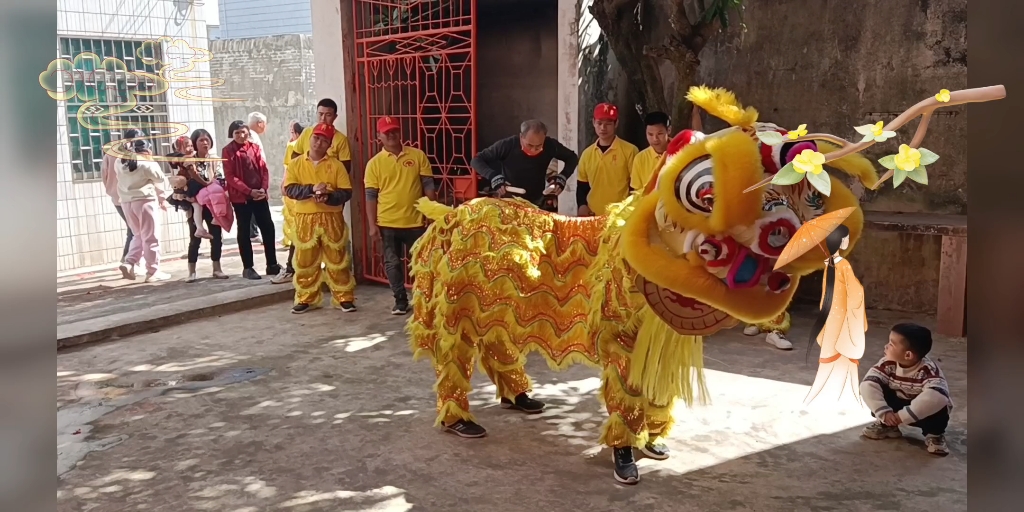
(778, 340)
(191, 278)
(751, 330)
(157, 276)
(282, 277)
(127, 271)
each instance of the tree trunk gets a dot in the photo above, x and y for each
(618, 24)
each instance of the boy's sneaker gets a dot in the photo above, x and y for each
(936, 445)
(751, 330)
(282, 277)
(157, 276)
(400, 308)
(465, 428)
(879, 430)
(656, 451)
(299, 309)
(523, 403)
(626, 471)
(778, 340)
(127, 271)
(347, 307)
(250, 273)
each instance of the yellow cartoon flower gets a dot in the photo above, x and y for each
(943, 96)
(809, 161)
(799, 132)
(908, 158)
(875, 132)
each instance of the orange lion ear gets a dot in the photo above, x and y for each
(680, 141)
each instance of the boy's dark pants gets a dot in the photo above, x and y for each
(396, 242)
(930, 425)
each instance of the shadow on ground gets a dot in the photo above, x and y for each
(343, 422)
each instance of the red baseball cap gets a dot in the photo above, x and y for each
(606, 112)
(325, 130)
(387, 124)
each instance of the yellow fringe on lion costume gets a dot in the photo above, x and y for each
(632, 292)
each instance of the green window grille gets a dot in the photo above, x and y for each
(110, 89)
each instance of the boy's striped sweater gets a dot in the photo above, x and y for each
(923, 385)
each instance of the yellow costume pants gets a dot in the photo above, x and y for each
(779, 323)
(322, 238)
(289, 224)
(502, 362)
(633, 420)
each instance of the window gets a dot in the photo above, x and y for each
(111, 88)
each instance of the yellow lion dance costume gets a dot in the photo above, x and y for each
(632, 292)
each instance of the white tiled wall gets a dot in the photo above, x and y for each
(89, 230)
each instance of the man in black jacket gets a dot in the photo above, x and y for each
(522, 161)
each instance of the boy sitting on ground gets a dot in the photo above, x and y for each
(908, 388)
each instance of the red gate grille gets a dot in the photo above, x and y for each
(414, 62)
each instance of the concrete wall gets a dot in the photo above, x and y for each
(517, 66)
(261, 18)
(273, 75)
(89, 230)
(841, 63)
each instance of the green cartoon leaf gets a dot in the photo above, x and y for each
(821, 182)
(772, 138)
(787, 176)
(898, 177)
(927, 157)
(889, 162)
(919, 175)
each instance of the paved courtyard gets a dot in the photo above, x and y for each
(263, 410)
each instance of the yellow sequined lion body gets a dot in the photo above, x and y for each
(632, 292)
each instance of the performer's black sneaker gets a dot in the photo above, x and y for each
(465, 428)
(655, 451)
(347, 307)
(626, 471)
(400, 308)
(523, 403)
(299, 309)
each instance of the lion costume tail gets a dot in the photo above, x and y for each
(433, 210)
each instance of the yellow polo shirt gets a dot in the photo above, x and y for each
(397, 179)
(643, 168)
(288, 153)
(607, 173)
(339, 149)
(302, 171)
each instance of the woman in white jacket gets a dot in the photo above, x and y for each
(142, 189)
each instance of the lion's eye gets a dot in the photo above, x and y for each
(695, 186)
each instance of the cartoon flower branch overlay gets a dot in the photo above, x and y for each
(914, 154)
(808, 163)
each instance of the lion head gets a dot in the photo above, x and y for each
(703, 249)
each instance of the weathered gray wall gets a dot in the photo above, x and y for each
(517, 66)
(836, 64)
(272, 75)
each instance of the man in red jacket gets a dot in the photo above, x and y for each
(247, 178)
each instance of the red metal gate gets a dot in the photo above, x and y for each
(415, 62)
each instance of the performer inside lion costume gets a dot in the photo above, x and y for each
(633, 292)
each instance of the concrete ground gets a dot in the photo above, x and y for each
(97, 303)
(341, 420)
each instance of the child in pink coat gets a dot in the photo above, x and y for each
(212, 196)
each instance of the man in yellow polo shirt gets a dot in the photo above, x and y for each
(326, 113)
(394, 180)
(647, 160)
(319, 186)
(605, 166)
